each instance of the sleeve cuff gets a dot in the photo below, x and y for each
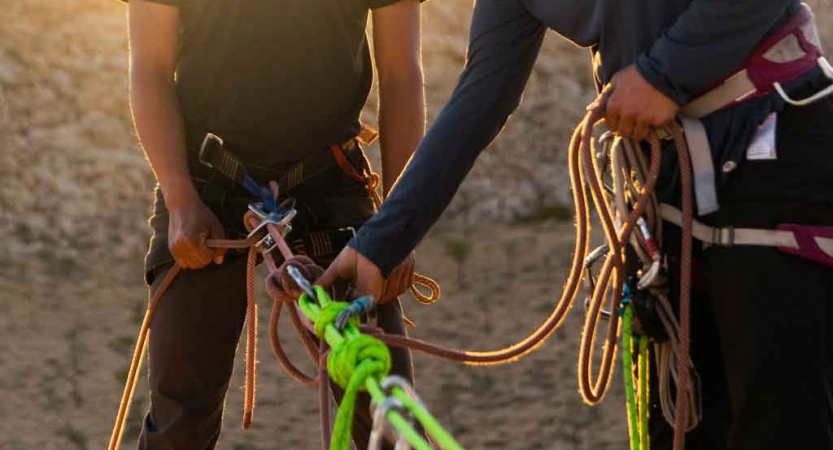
(653, 74)
(374, 251)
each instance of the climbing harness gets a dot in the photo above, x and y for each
(630, 293)
(300, 183)
(787, 54)
(268, 232)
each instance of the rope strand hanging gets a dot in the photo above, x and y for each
(618, 225)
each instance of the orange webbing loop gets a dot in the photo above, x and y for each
(371, 180)
(428, 283)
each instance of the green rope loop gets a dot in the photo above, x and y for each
(359, 355)
(328, 315)
(627, 370)
(357, 358)
(357, 363)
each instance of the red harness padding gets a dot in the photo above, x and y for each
(778, 60)
(784, 56)
(814, 242)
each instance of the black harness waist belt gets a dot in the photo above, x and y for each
(307, 182)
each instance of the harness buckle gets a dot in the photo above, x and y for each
(724, 237)
(589, 281)
(281, 219)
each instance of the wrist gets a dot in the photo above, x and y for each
(178, 192)
(649, 71)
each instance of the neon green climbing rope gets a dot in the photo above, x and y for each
(357, 363)
(636, 397)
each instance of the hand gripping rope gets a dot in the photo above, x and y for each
(360, 361)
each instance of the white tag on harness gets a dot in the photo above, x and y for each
(763, 145)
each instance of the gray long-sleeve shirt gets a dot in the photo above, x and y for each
(682, 47)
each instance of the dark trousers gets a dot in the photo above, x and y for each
(762, 336)
(196, 329)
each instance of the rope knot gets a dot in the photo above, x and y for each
(328, 316)
(356, 358)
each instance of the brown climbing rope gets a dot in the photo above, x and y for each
(584, 174)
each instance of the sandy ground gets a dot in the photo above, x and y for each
(75, 195)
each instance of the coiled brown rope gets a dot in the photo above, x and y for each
(584, 173)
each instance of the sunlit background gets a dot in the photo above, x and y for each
(75, 194)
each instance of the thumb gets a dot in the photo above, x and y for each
(331, 276)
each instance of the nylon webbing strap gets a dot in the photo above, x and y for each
(730, 236)
(314, 171)
(322, 244)
(214, 154)
(705, 186)
(735, 88)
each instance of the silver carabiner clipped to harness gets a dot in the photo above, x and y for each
(281, 219)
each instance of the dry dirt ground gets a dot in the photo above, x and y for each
(73, 203)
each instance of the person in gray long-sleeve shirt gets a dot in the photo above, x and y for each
(658, 56)
(680, 46)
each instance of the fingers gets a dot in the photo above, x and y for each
(216, 232)
(189, 251)
(330, 276)
(641, 130)
(635, 107)
(188, 238)
(612, 117)
(399, 280)
(395, 284)
(629, 124)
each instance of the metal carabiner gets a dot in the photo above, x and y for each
(358, 307)
(394, 381)
(301, 281)
(379, 415)
(592, 257)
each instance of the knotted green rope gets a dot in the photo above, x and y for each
(357, 363)
(354, 358)
(328, 315)
(357, 358)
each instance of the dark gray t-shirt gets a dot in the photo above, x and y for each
(275, 79)
(682, 47)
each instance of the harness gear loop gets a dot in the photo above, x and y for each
(787, 54)
(619, 228)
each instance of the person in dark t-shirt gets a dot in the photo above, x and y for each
(761, 323)
(279, 81)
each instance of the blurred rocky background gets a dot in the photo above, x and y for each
(75, 192)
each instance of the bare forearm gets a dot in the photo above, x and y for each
(401, 123)
(161, 131)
